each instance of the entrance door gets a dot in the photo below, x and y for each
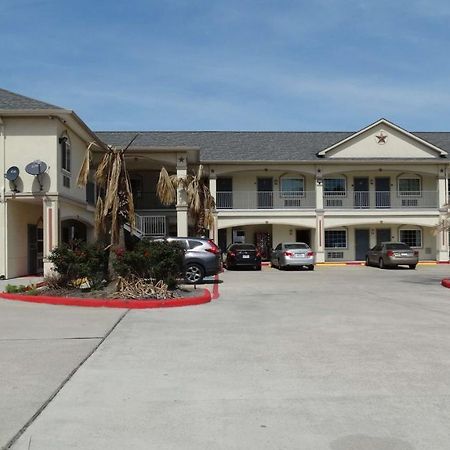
(362, 244)
(224, 192)
(222, 239)
(383, 235)
(361, 192)
(383, 192)
(265, 192)
(35, 249)
(303, 236)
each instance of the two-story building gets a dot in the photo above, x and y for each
(342, 192)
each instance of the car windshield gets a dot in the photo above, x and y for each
(295, 246)
(243, 247)
(397, 247)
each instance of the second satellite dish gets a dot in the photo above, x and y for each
(11, 175)
(36, 167)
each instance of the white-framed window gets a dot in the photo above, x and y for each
(66, 156)
(292, 187)
(411, 237)
(334, 187)
(409, 185)
(335, 239)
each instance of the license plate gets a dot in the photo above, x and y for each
(404, 254)
(246, 256)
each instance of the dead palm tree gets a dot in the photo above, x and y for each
(200, 202)
(115, 206)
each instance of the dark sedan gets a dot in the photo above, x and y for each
(242, 255)
(392, 254)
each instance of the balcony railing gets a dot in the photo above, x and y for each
(331, 200)
(265, 200)
(151, 225)
(380, 200)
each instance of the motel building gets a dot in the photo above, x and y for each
(341, 192)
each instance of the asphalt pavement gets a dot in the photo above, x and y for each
(340, 358)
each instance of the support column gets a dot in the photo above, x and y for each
(320, 228)
(50, 217)
(442, 189)
(213, 231)
(182, 208)
(320, 237)
(3, 239)
(442, 244)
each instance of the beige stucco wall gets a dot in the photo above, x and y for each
(20, 214)
(28, 139)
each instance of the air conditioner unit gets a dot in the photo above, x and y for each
(292, 202)
(335, 255)
(410, 202)
(333, 202)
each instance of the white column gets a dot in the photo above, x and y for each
(213, 231)
(182, 208)
(51, 229)
(442, 244)
(442, 190)
(320, 237)
(319, 193)
(3, 239)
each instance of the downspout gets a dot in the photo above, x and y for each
(2, 198)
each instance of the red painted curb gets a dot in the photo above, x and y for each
(446, 282)
(205, 297)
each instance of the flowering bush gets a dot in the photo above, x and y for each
(156, 260)
(78, 259)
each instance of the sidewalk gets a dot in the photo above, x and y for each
(21, 280)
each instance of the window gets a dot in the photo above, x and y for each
(65, 153)
(291, 187)
(409, 186)
(90, 193)
(334, 187)
(413, 238)
(335, 238)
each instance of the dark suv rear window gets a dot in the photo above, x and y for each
(243, 247)
(195, 244)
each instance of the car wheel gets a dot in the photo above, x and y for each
(311, 267)
(194, 273)
(381, 264)
(367, 261)
(280, 267)
(412, 266)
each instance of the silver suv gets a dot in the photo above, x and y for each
(202, 257)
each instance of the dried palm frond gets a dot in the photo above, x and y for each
(166, 188)
(99, 221)
(85, 167)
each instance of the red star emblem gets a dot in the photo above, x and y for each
(381, 138)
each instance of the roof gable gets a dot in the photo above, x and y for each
(383, 139)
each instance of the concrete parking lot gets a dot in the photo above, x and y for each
(340, 358)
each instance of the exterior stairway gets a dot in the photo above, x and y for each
(148, 226)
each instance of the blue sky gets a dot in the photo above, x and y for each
(232, 65)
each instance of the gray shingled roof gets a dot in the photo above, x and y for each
(248, 145)
(12, 101)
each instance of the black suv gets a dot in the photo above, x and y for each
(202, 257)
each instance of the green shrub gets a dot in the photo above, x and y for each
(156, 260)
(78, 259)
(13, 289)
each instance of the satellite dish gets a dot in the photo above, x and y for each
(36, 167)
(12, 173)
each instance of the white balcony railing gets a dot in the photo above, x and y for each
(148, 226)
(265, 200)
(380, 200)
(331, 200)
